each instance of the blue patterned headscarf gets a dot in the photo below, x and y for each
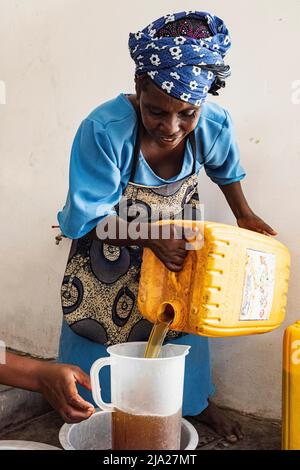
(182, 66)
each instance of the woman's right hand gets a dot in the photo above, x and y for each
(170, 246)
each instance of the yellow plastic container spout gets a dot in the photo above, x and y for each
(234, 283)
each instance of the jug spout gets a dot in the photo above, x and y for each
(175, 350)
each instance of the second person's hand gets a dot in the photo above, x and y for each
(57, 382)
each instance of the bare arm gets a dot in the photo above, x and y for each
(20, 372)
(117, 232)
(170, 250)
(244, 215)
(57, 382)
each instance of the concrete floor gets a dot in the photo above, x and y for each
(260, 434)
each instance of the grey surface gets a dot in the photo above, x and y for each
(260, 434)
(17, 406)
(42, 429)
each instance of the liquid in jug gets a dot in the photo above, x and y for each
(134, 432)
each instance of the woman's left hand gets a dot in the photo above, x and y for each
(255, 223)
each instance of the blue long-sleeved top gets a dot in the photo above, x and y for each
(101, 160)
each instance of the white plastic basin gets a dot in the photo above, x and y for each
(25, 445)
(95, 434)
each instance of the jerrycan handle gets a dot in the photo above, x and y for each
(174, 281)
(95, 383)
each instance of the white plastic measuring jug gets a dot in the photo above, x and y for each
(146, 395)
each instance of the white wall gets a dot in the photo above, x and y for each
(61, 58)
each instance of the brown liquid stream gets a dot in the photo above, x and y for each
(158, 333)
(156, 339)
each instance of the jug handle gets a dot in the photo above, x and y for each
(174, 280)
(95, 383)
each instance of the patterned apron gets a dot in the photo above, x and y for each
(100, 285)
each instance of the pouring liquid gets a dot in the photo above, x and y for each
(156, 339)
(158, 333)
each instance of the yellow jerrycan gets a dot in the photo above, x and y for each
(291, 388)
(235, 284)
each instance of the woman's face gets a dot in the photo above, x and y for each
(167, 120)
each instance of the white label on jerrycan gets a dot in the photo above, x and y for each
(258, 286)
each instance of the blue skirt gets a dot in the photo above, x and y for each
(198, 387)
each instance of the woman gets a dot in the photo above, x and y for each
(146, 149)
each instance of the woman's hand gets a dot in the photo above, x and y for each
(57, 382)
(255, 223)
(171, 249)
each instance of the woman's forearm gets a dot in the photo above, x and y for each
(118, 232)
(236, 199)
(20, 371)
